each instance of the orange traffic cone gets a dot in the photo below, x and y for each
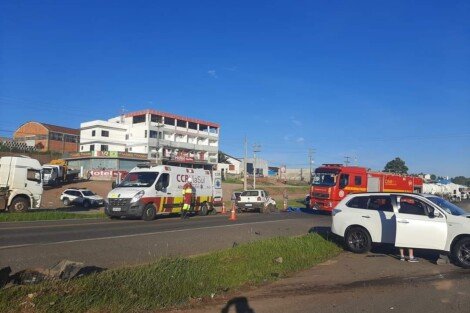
(233, 216)
(224, 211)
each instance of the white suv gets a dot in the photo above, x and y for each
(82, 197)
(256, 200)
(405, 220)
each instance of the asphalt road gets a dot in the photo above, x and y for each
(116, 243)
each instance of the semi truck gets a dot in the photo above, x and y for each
(333, 182)
(20, 184)
(58, 172)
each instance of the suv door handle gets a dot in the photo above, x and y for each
(366, 216)
(404, 222)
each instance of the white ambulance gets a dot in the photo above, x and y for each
(148, 191)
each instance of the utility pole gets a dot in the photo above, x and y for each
(158, 143)
(256, 148)
(311, 151)
(245, 183)
(346, 160)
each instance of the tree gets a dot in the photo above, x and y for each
(396, 166)
(461, 180)
(433, 177)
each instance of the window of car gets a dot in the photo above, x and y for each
(409, 205)
(357, 180)
(380, 203)
(69, 192)
(250, 193)
(88, 193)
(163, 181)
(358, 202)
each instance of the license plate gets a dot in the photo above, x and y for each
(248, 204)
(116, 209)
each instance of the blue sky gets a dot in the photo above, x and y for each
(366, 79)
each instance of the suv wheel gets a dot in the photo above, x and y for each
(358, 240)
(461, 252)
(66, 201)
(86, 204)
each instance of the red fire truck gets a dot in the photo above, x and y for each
(332, 182)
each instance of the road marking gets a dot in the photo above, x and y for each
(137, 235)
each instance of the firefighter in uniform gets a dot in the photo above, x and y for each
(187, 198)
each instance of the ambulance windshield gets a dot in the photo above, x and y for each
(139, 179)
(324, 179)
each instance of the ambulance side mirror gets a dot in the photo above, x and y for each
(113, 185)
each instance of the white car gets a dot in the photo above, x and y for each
(405, 220)
(82, 197)
(256, 200)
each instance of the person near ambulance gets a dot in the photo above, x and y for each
(187, 198)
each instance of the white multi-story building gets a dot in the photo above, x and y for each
(173, 138)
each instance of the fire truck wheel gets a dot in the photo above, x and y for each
(204, 209)
(358, 240)
(19, 204)
(149, 213)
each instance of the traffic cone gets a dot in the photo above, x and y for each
(224, 211)
(233, 216)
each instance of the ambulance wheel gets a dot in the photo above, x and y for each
(149, 213)
(204, 209)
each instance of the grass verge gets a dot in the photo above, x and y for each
(172, 282)
(46, 216)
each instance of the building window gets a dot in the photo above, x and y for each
(56, 136)
(93, 133)
(145, 134)
(138, 119)
(192, 125)
(156, 118)
(92, 147)
(181, 123)
(81, 148)
(130, 149)
(104, 147)
(127, 136)
(203, 127)
(104, 133)
(70, 138)
(169, 121)
(154, 134)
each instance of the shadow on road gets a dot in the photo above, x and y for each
(240, 305)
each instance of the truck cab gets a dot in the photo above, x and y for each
(20, 183)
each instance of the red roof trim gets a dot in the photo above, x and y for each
(178, 117)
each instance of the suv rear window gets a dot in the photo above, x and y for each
(250, 193)
(358, 202)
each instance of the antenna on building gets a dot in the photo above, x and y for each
(346, 160)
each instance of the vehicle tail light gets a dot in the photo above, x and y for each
(259, 198)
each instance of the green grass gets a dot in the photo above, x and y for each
(45, 216)
(174, 282)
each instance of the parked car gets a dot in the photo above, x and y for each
(82, 197)
(256, 200)
(405, 220)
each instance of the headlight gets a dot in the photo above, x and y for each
(137, 196)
